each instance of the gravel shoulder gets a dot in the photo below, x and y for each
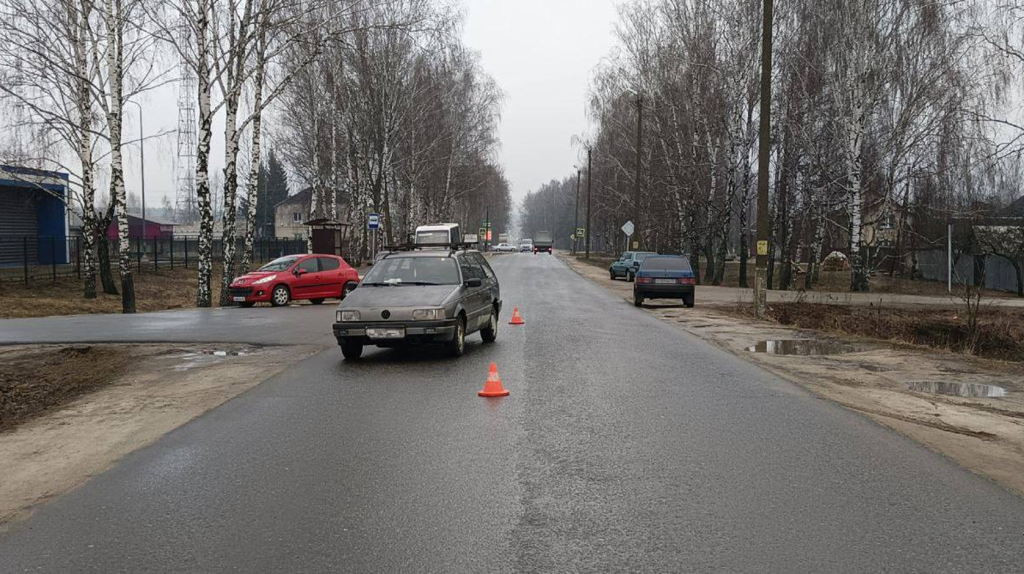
(985, 435)
(135, 394)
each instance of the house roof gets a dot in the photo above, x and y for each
(1015, 209)
(305, 196)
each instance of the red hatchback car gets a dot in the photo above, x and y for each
(295, 277)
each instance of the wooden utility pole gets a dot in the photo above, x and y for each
(764, 150)
(590, 178)
(576, 214)
(639, 167)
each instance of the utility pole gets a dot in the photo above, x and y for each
(590, 178)
(764, 149)
(576, 214)
(142, 168)
(639, 166)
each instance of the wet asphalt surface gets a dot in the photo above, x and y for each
(626, 445)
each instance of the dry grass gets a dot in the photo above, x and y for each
(1000, 333)
(154, 291)
(34, 382)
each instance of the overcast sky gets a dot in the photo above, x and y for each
(541, 53)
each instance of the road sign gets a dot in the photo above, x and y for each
(762, 248)
(580, 232)
(628, 228)
(636, 245)
(373, 221)
(471, 238)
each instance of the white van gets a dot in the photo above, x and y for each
(441, 233)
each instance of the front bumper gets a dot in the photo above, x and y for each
(416, 332)
(252, 294)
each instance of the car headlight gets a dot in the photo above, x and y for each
(266, 279)
(347, 316)
(428, 314)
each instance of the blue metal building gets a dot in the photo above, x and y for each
(33, 216)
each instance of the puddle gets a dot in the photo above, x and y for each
(967, 390)
(203, 358)
(805, 347)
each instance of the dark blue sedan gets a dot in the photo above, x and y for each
(664, 277)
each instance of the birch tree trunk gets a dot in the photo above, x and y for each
(84, 106)
(205, 255)
(255, 159)
(115, 71)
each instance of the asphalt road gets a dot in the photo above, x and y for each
(625, 445)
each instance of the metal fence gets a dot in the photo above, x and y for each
(999, 273)
(28, 259)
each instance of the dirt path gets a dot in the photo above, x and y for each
(161, 388)
(985, 435)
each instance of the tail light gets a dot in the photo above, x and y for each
(644, 280)
(686, 281)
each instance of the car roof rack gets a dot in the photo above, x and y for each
(451, 246)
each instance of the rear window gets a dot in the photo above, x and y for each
(666, 264)
(642, 256)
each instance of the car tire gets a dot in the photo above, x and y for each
(280, 296)
(351, 350)
(246, 304)
(457, 346)
(638, 299)
(317, 301)
(629, 276)
(688, 300)
(490, 332)
(611, 275)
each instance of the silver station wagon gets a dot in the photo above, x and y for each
(421, 296)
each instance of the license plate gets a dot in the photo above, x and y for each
(385, 333)
(665, 281)
(238, 299)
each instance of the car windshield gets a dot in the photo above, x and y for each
(280, 264)
(666, 264)
(414, 271)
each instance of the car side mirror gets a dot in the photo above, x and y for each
(300, 271)
(474, 282)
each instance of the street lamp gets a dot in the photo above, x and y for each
(142, 168)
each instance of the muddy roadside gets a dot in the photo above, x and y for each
(78, 409)
(894, 384)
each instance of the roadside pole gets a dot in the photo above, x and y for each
(590, 178)
(576, 215)
(639, 163)
(949, 256)
(764, 149)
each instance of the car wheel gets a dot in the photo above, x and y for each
(638, 299)
(280, 296)
(457, 346)
(490, 332)
(688, 299)
(246, 305)
(316, 301)
(629, 276)
(351, 349)
(611, 275)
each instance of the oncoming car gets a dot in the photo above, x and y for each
(505, 248)
(526, 246)
(295, 277)
(420, 297)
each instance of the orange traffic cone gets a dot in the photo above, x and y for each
(517, 319)
(493, 388)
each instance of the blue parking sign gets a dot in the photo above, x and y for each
(373, 221)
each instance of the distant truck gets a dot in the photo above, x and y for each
(542, 242)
